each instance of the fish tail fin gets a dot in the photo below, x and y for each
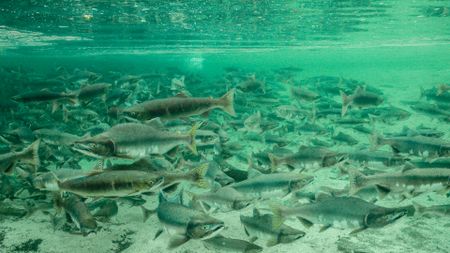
(291, 89)
(274, 161)
(227, 102)
(357, 181)
(66, 113)
(199, 176)
(418, 208)
(345, 103)
(31, 153)
(73, 98)
(313, 112)
(191, 145)
(57, 201)
(376, 141)
(58, 182)
(422, 93)
(55, 106)
(278, 215)
(146, 213)
(114, 111)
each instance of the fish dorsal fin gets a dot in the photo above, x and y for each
(252, 173)
(94, 172)
(305, 222)
(176, 198)
(408, 166)
(85, 136)
(256, 212)
(155, 123)
(302, 147)
(320, 196)
(181, 95)
(360, 90)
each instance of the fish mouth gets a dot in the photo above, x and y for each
(382, 219)
(38, 183)
(85, 150)
(158, 183)
(214, 231)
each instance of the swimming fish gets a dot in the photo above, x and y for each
(341, 212)
(360, 98)
(43, 96)
(134, 140)
(417, 145)
(412, 179)
(261, 226)
(222, 243)
(112, 183)
(78, 212)
(224, 199)
(29, 155)
(177, 107)
(307, 157)
(271, 185)
(184, 223)
(301, 93)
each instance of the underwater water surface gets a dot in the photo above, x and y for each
(224, 126)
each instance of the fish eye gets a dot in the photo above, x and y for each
(205, 227)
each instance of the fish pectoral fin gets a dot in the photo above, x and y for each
(395, 150)
(158, 233)
(94, 172)
(355, 231)
(324, 227)
(305, 222)
(205, 114)
(272, 242)
(382, 190)
(253, 239)
(252, 173)
(177, 241)
(247, 233)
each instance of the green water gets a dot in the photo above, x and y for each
(400, 49)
